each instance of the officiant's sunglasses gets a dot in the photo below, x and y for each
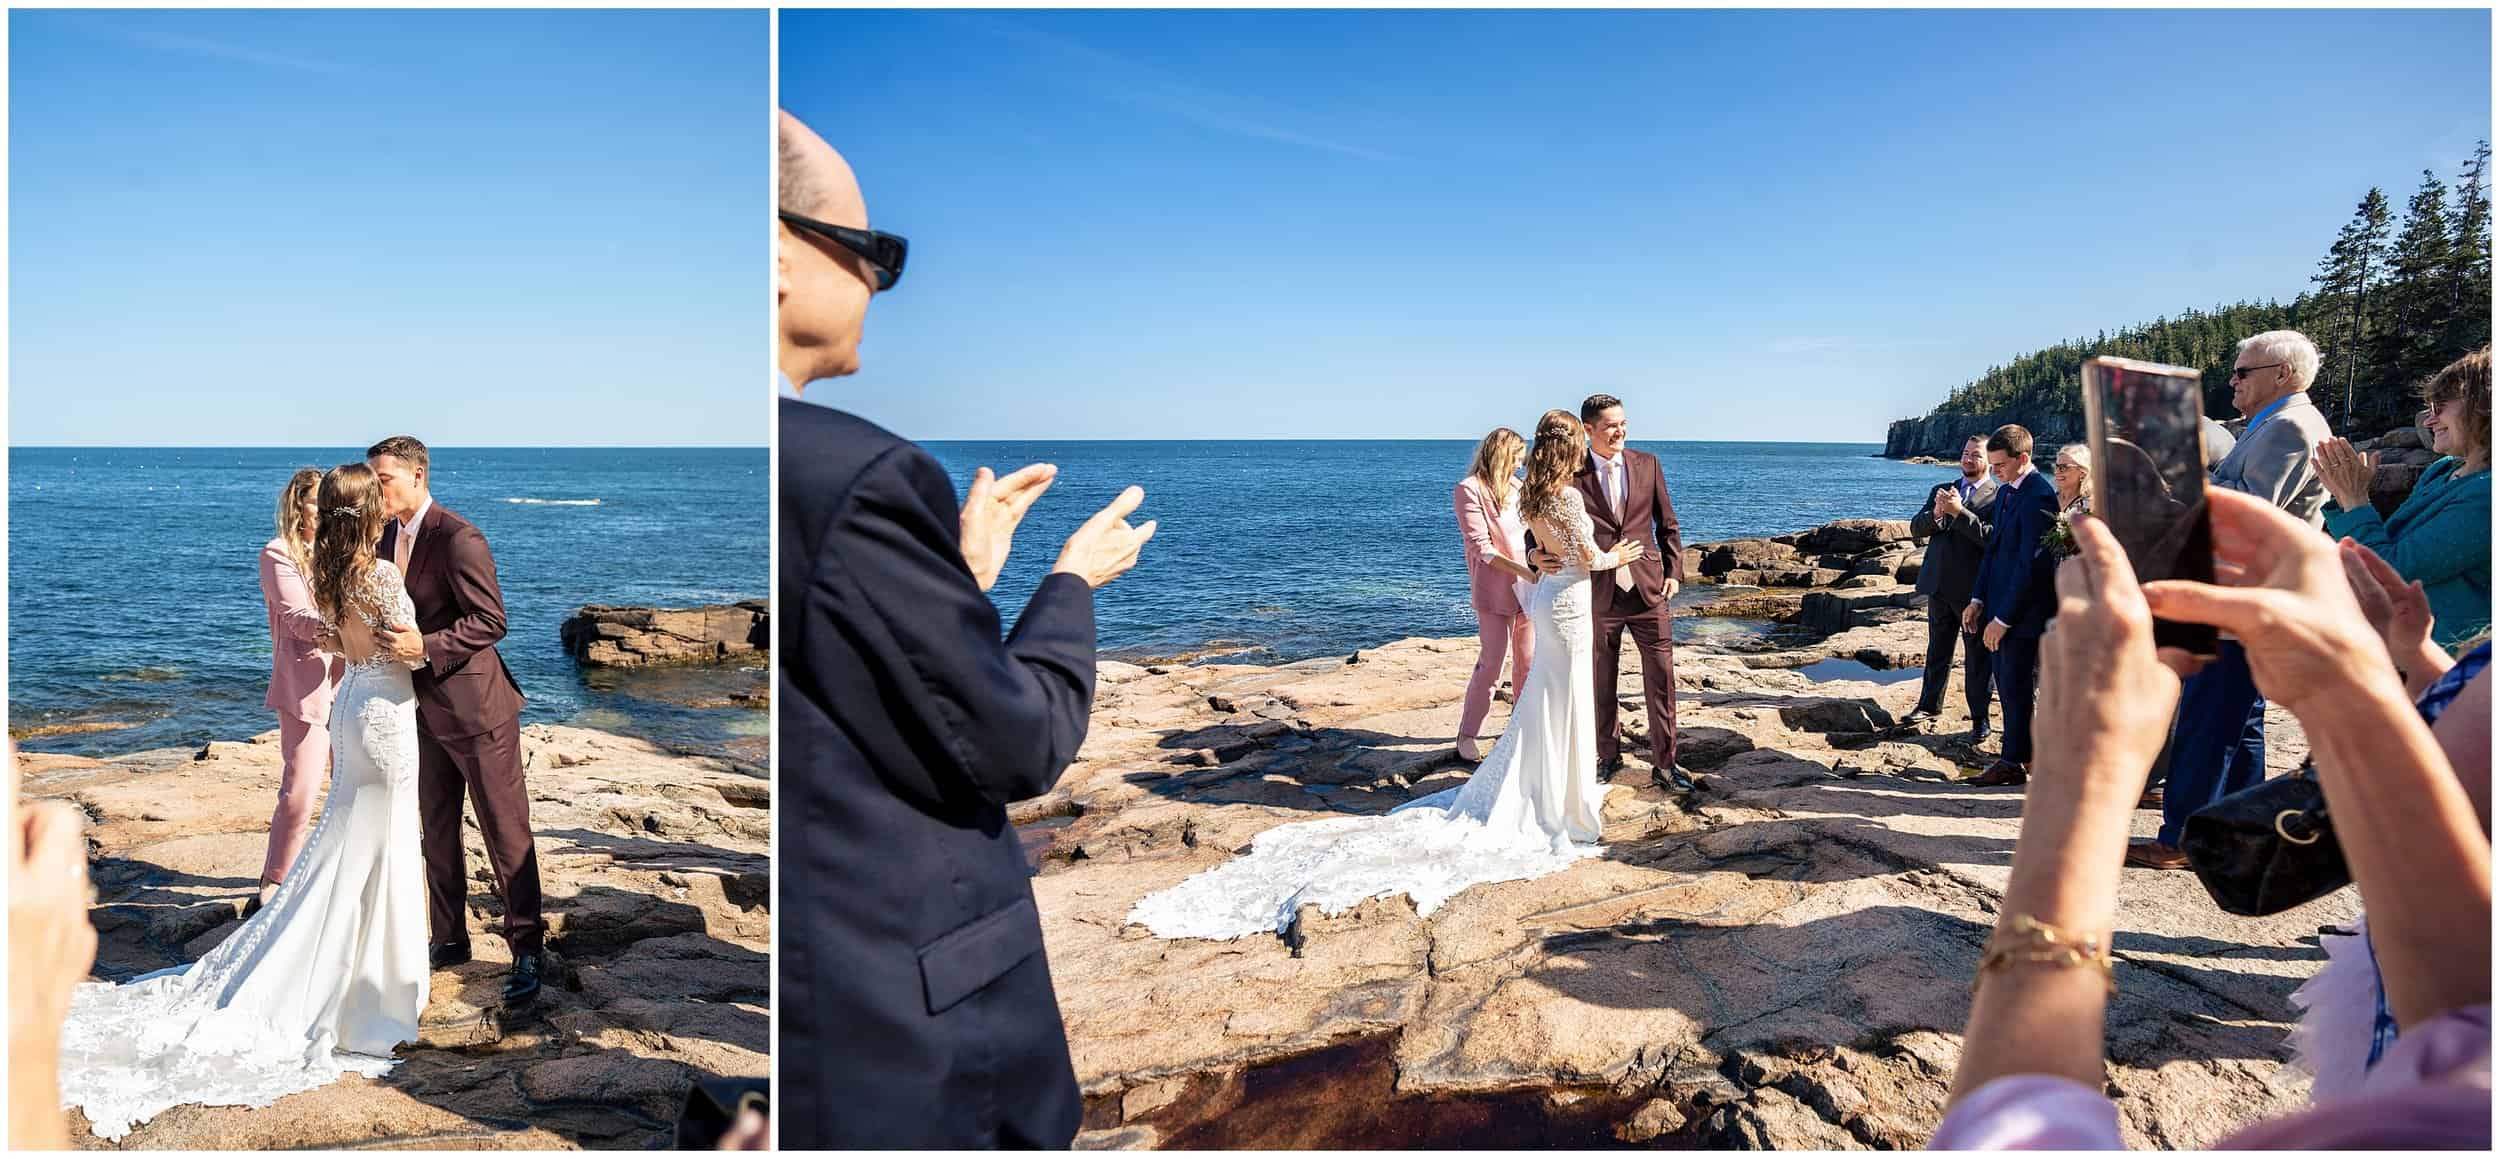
(884, 251)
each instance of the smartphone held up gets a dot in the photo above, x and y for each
(2148, 452)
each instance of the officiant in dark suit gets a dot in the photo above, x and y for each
(916, 1005)
(1954, 522)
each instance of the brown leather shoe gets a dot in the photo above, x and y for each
(2000, 774)
(2155, 855)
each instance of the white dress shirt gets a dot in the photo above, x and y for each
(408, 533)
(1610, 479)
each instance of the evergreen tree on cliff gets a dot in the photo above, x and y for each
(2386, 313)
(2469, 256)
(2343, 278)
(2411, 343)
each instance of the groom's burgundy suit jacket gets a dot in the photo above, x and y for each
(464, 689)
(1648, 516)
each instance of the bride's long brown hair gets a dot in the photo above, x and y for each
(1560, 443)
(346, 538)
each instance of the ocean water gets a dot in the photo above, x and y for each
(1280, 550)
(134, 592)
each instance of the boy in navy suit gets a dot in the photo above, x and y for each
(2016, 594)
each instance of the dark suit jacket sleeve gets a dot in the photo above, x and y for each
(1969, 526)
(473, 587)
(1923, 524)
(1670, 534)
(992, 720)
(2024, 554)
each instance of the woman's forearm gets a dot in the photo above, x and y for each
(2402, 818)
(2038, 1018)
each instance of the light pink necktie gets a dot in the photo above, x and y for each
(402, 548)
(1615, 471)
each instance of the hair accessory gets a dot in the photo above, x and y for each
(350, 512)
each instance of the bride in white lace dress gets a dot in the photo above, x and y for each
(1530, 809)
(330, 976)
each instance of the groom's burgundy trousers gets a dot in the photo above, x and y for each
(468, 731)
(1653, 636)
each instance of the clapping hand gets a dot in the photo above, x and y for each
(1105, 547)
(2346, 473)
(2398, 610)
(1949, 503)
(993, 510)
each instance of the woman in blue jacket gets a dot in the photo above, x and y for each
(2441, 536)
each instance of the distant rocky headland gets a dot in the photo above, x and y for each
(1780, 960)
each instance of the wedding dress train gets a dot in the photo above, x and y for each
(1531, 808)
(325, 980)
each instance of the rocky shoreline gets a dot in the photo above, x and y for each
(657, 878)
(1781, 960)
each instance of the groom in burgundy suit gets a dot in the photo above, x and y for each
(1626, 496)
(468, 715)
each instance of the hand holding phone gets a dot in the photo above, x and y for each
(2148, 458)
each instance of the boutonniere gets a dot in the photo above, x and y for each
(2060, 537)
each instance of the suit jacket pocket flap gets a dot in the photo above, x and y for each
(975, 954)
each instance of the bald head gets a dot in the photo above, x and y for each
(822, 288)
(815, 180)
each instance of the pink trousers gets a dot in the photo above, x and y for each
(307, 750)
(1498, 634)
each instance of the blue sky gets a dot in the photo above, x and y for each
(318, 228)
(1751, 225)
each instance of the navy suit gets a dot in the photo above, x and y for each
(2018, 585)
(916, 1004)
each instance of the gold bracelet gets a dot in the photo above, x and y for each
(2028, 939)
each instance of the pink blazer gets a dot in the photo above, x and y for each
(301, 676)
(1489, 589)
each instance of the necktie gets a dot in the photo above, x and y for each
(406, 543)
(1614, 472)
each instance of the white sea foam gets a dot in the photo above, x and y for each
(557, 502)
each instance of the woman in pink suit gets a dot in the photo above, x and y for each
(1488, 519)
(302, 677)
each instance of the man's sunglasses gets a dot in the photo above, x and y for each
(883, 251)
(2237, 372)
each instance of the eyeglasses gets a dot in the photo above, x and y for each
(2240, 372)
(883, 251)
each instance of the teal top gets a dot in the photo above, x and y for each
(2441, 536)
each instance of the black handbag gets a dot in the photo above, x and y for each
(2268, 847)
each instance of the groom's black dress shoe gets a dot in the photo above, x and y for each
(522, 986)
(1675, 779)
(1607, 767)
(446, 956)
